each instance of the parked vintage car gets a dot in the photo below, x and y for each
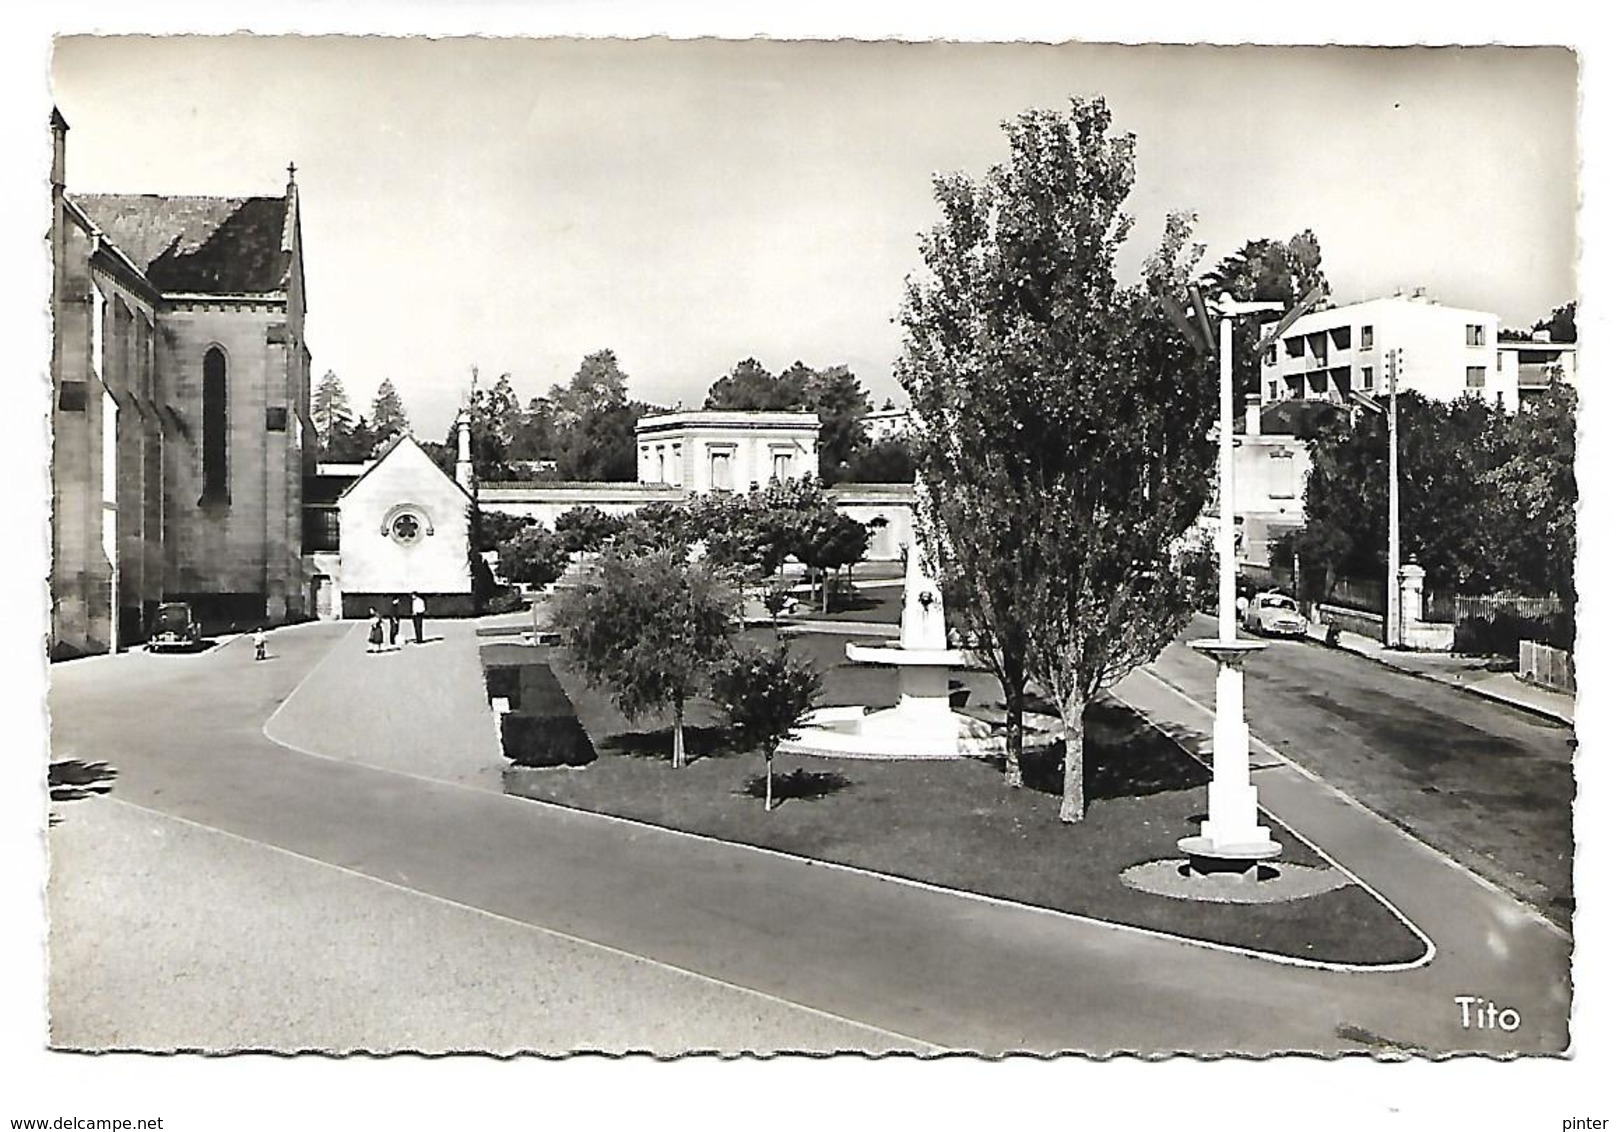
(173, 628)
(1273, 614)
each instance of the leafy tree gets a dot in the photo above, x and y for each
(1446, 523)
(648, 629)
(750, 386)
(828, 541)
(1063, 436)
(655, 527)
(838, 398)
(490, 415)
(388, 418)
(356, 443)
(834, 394)
(594, 421)
(443, 457)
(727, 524)
(533, 556)
(1561, 325)
(587, 528)
(1535, 490)
(491, 528)
(880, 461)
(331, 412)
(534, 432)
(1198, 565)
(765, 693)
(777, 600)
(1265, 270)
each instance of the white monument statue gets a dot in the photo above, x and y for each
(922, 724)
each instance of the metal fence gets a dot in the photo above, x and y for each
(1361, 594)
(1494, 605)
(1496, 623)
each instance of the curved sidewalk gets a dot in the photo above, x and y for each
(416, 709)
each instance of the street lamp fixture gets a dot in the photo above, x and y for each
(1231, 841)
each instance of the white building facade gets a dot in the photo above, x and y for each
(719, 450)
(1444, 353)
(887, 424)
(1534, 365)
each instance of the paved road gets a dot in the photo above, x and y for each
(231, 892)
(1489, 785)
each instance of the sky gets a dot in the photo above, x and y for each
(516, 204)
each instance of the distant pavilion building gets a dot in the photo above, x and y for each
(725, 450)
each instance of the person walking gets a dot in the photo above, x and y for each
(418, 610)
(374, 639)
(259, 643)
(393, 622)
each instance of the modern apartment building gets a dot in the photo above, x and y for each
(1444, 353)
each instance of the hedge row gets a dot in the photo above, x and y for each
(540, 727)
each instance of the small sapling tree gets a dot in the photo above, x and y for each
(765, 693)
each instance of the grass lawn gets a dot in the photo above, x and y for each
(876, 603)
(953, 823)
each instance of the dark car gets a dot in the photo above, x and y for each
(173, 628)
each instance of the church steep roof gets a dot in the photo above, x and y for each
(198, 245)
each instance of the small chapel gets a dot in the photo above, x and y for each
(183, 465)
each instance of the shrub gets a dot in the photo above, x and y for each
(543, 741)
(503, 684)
(587, 528)
(505, 599)
(533, 556)
(764, 692)
(491, 528)
(1500, 633)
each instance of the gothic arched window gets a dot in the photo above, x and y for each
(215, 422)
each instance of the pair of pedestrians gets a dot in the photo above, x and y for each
(418, 611)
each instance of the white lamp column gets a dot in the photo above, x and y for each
(1232, 840)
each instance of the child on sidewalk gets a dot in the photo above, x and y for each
(259, 642)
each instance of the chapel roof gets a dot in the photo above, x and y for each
(198, 245)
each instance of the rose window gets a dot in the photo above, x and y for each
(406, 529)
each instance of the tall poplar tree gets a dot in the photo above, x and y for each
(1062, 425)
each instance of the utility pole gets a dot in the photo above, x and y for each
(1391, 619)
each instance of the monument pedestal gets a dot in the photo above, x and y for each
(1232, 841)
(922, 724)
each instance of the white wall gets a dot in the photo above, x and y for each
(544, 503)
(1433, 340)
(373, 560)
(701, 450)
(1270, 473)
(861, 502)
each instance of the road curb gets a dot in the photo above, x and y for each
(1459, 685)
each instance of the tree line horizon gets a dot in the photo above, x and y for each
(585, 430)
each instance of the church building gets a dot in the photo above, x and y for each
(180, 409)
